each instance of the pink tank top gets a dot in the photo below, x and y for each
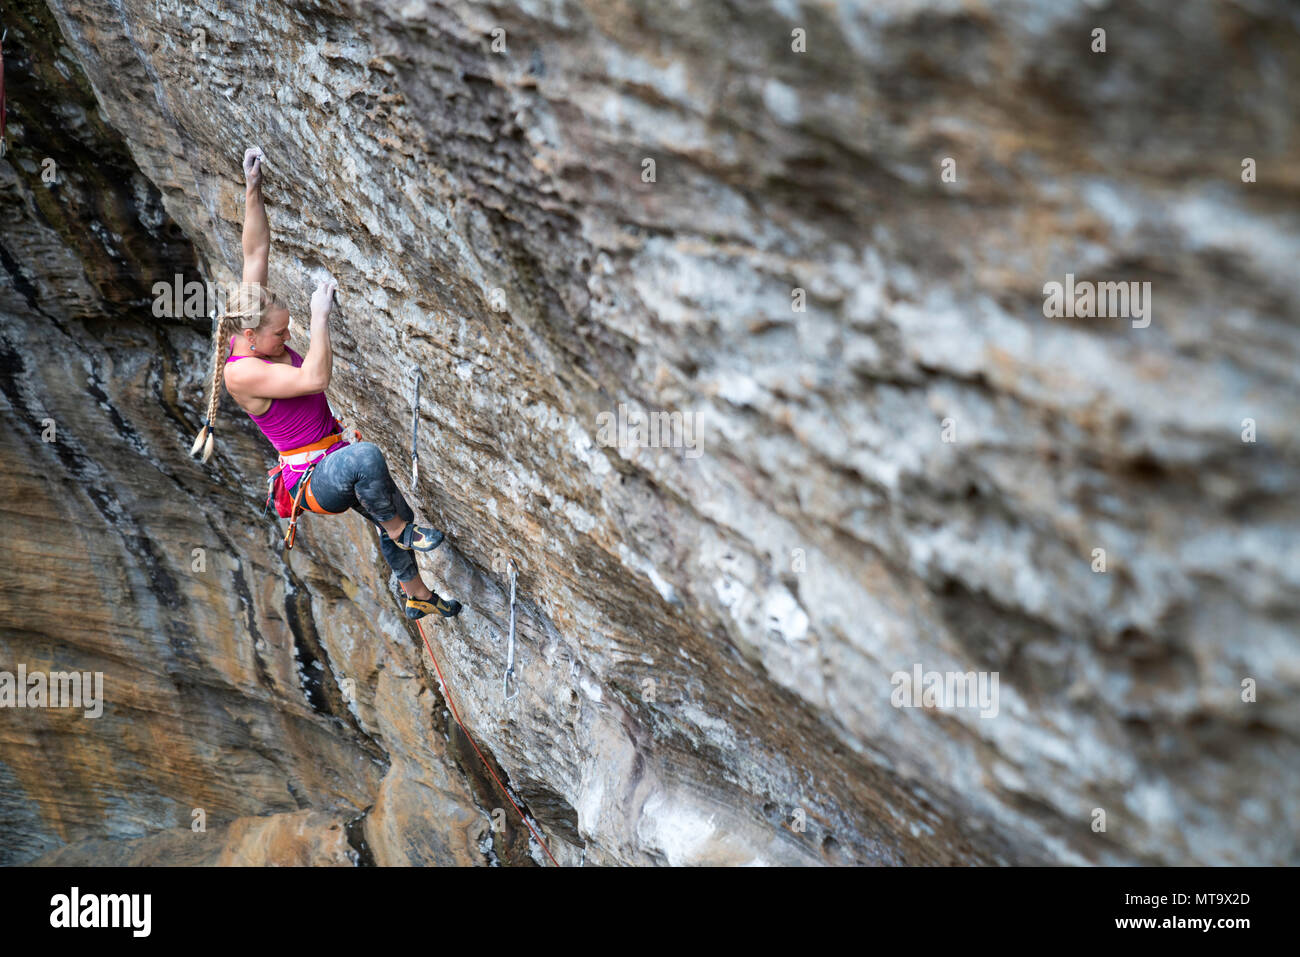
(295, 422)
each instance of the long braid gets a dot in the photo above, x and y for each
(220, 351)
(252, 302)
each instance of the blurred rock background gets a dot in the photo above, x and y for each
(705, 642)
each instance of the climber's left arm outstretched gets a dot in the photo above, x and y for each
(257, 231)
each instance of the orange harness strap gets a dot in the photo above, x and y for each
(310, 498)
(325, 443)
(303, 501)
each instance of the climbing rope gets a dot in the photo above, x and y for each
(510, 664)
(446, 692)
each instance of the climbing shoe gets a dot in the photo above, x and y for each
(419, 607)
(422, 538)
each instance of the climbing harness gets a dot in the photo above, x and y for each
(510, 654)
(415, 432)
(447, 694)
(303, 495)
(303, 499)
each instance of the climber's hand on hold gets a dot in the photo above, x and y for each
(318, 364)
(253, 166)
(322, 300)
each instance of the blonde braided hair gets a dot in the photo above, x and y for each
(249, 308)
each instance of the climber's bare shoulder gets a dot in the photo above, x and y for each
(240, 385)
(254, 382)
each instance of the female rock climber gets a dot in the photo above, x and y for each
(285, 395)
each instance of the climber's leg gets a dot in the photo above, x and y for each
(380, 498)
(416, 588)
(402, 561)
(357, 478)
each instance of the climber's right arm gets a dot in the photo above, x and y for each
(278, 380)
(319, 361)
(273, 380)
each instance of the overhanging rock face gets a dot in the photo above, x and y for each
(882, 456)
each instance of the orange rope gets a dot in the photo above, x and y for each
(447, 693)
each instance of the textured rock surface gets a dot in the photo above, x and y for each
(706, 643)
(223, 680)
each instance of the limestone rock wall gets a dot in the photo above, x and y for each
(223, 669)
(706, 642)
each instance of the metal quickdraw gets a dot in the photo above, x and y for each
(510, 654)
(415, 432)
(3, 111)
(291, 534)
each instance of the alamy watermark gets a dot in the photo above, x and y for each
(1098, 300)
(196, 299)
(75, 909)
(632, 428)
(58, 689)
(945, 689)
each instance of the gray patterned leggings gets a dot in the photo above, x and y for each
(357, 477)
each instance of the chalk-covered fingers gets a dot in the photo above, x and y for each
(323, 298)
(253, 157)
